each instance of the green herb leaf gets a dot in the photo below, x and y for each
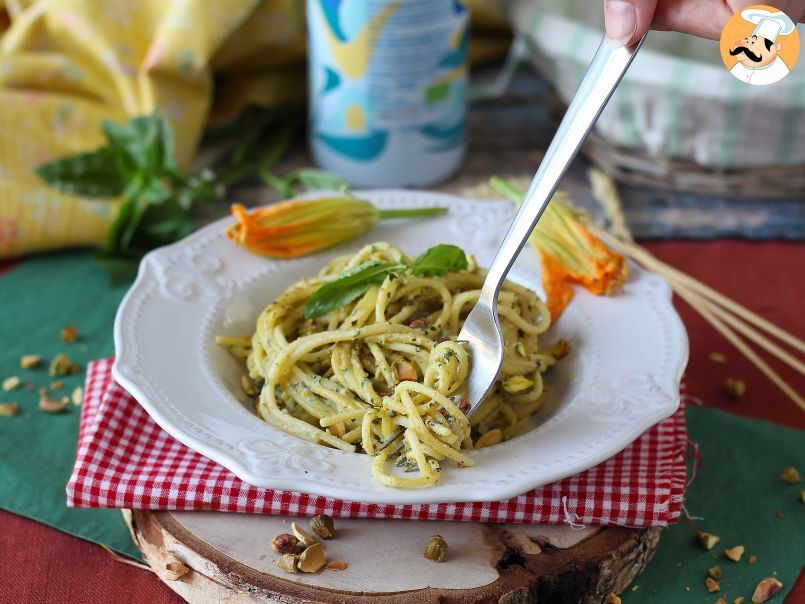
(440, 260)
(313, 179)
(349, 285)
(92, 174)
(146, 141)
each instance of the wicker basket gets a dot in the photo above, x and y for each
(636, 167)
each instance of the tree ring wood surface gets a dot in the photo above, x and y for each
(226, 558)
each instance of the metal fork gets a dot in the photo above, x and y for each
(481, 330)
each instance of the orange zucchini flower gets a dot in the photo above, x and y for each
(297, 227)
(570, 253)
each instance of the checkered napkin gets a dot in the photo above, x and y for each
(125, 460)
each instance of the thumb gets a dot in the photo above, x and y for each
(627, 20)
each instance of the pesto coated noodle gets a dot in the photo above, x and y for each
(389, 359)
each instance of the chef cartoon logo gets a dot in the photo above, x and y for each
(760, 45)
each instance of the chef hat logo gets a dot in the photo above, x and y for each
(760, 45)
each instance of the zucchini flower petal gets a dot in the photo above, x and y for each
(570, 253)
(297, 227)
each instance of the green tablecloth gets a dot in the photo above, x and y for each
(737, 493)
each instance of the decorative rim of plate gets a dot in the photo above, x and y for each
(187, 277)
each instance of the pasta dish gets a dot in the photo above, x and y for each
(364, 358)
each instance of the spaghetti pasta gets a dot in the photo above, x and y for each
(389, 359)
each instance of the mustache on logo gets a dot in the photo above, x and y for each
(743, 49)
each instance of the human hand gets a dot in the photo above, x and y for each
(627, 20)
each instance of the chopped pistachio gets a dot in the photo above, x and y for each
(517, 384)
(323, 526)
(249, 386)
(304, 537)
(175, 571)
(288, 562)
(717, 357)
(62, 365)
(312, 559)
(519, 348)
(338, 429)
(751, 559)
(738, 600)
(284, 544)
(721, 600)
(69, 333)
(714, 572)
(734, 389)
(56, 385)
(712, 585)
(30, 361)
(436, 549)
(48, 405)
(77, 396)
(734, 553)
(406, 372)
(802, 496)
(560, 349)
(708, 540)
(791, 475)
(11, 383)
(493, 437)
(766, 589)
(612, 598)
(9, 409)
(336, 565)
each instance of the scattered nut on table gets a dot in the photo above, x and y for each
(612, 598)
(312, 559)
(436, 549)
(69, 333)
(712, 585)
(714, 572)
(9, 409)
(336, 565)
(30, 361)
(284, 544)
(323, 526)
(48, 405)
(751, 560)
(734, 389)
(766, 589)
(175, 570)
(62, 365)
(11, 383)
(734, 553)
(791, 475)
(708, 540)
(288, 562)
(77, 396)
(304, 537)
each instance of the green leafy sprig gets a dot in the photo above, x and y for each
(160, 200)
(438, 260)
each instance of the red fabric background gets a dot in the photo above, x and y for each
(41, 564)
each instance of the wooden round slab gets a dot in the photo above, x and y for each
(218, 557)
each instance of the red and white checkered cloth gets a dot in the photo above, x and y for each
(125, 460)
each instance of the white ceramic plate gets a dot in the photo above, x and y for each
(622, 377)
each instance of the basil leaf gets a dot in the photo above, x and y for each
(349, 285)
(92, 174)
(440, 260)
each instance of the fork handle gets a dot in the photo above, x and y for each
(599, 82)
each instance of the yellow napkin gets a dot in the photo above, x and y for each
(65, 65)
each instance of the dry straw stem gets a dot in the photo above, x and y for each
(723, 313)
